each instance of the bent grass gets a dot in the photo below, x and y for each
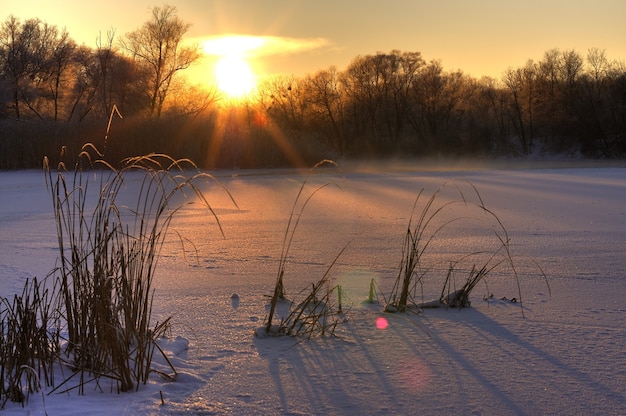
(108, 257)
(93, 313)
(434, 218)
(317, 313)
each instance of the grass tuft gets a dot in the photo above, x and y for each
(108, 257)
(436, 218)
(316, 313)
(29, 342)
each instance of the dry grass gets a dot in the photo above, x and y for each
(317, 312)
(29, 342)
(93, 313)
(108, 257)
(438, 216)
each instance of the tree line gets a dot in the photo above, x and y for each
(398, 103)
(56, 95)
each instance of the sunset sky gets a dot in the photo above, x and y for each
(480, 37)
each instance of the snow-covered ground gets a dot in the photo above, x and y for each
(565, 355)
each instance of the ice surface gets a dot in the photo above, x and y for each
(564, 356)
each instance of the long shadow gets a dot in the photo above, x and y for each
(329, 376)
(463, 396)
(316, 367)
(527, 354)
(373, 384)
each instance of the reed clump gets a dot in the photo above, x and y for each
(429, 223)
(29, 342)
(319, 311)
(91, 317)
(108, 257)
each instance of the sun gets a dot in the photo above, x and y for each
(234, 76)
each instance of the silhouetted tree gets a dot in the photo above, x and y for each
(60, 53)
(601, 108)
(385, 103)
(21, 59)
(157, 46)
(82, 95)
(377, 89)
(521, 83)
(363, 85)
(35, 60)
(490, 109)
(410, 66)
(326, 98)
(285, 102)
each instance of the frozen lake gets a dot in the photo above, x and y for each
(566, 355)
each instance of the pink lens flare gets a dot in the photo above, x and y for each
(381, 323)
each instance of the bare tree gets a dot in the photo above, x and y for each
(598, 63)
(105, 54)
(82, 94)
(284, 99)
(363, 87)
(572, 67)
(20, 47)
(557, 74)
(34, 61)
(521, 82)
(325, 95)
(157, 46)
(60, 50)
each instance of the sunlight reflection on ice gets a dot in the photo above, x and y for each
(414, 374)
(356, 285)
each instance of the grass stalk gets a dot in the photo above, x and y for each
(433, 219)
(108, 257)
(310, 316)
(292, 225)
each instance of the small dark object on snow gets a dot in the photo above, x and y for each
(234, 300)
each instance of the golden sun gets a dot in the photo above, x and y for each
(234, 76)
(233, 71)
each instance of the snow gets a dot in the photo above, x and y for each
(564, 355)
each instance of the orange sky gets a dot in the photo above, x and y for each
(480, 37)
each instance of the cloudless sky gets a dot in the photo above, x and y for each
(480, 37)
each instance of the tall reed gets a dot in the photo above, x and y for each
(108, 257)
(29, 342)
(435, 217)
(310, 310)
